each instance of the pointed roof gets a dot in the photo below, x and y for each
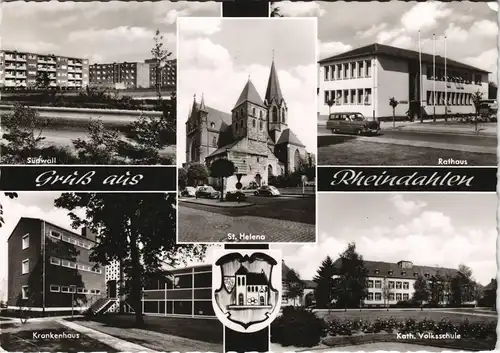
(287, 136)
(273, 90)
(202, 104)
(241, 271)
(249, 94)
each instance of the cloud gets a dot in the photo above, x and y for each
(202, 26)
(406, 207)
(301, 9)
(33, 47)
(486, 60)
(493, 5)
(121, 33)
(424, 15)
(332, 48)
(372, 31)
(172, 15)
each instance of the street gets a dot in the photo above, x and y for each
(281, 219)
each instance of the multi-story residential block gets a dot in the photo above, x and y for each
(120, 75)
(21, 70)
(49, 268)
(365, 79)
(168, 73)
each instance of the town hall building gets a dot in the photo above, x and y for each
(255, 136)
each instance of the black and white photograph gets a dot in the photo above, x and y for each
(393, 272)
(90, 82)
(246, 130)
(101, 272)
(413, 83)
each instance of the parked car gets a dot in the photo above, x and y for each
(352, 123)
(235, 195)
(189, 192)
(310, 183)
(207, 192)
(267, 190)
(252, 185)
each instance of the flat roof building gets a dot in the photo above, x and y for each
(120, 75)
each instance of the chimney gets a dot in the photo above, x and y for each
(87, 233)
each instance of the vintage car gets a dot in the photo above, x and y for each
(189, 191)
(235, 195)
(352, 123)
(267, 190)
(207, 192)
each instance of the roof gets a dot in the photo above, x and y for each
(382, 49)
(253, 278)
(273, 90)
(309, 284)
(220, 119)
(236, 146)
(287, 136)
(249, 94)
(52, 224)
(385, 268)
(241, 271)
(491, 286)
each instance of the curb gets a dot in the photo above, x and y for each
(217, 205)
(443, 132)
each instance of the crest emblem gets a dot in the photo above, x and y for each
(247, 288)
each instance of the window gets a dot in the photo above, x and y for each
(406, 285)
(398, 297)
(26, 266)
(353, 96)
(370, 284)
(378, 284)
(403, 273)
(346, 96)
(81, 290)
(54, 288)
(64, 289)
(370, 296)
(327, 96)
(72, 289)
(378, 296)
(368, 96)
(26, 241)
(391, 296)
(334, 72)
(55, 261)
(25, 292)
(55, 234)
(360, 69)
(214, 142)
(253, 123)
(327, 72)
(346, 71)
(406, 296)
(398, 285)
(368, 70)
(260, 125)
(391, 284)
(353, 70)
(360, 96)
(253, 112)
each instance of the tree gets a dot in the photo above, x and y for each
(421, 293)
(137, 229)
(197, 172)
(462, 286)
(10, 195)
(492, 90)
(276, 11)
(102, 146)
(42, 80)
(330, 103)
(222, 168)
(386, 292)
(182, 175)
(324, 283)
(476, 100)
(393, 103)
(352, 283)
(293, 285)
(161, 55)
(436, 287)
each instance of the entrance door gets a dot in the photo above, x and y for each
(111, 289)
(240, 299)
(262, 301)
(258, 179)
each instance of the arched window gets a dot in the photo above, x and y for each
(253, 123)
(260, 114)
(275, 114)
(260, 125)
(253, 111)
(283, 115)
(214, 141)
(212, 124)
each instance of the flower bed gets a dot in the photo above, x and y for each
(472, 336)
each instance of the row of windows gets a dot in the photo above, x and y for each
(397, 296)
(453, 98)
(351, 70)
(182, 281)
(452, 76)
(256, 289)
(179, 307)
(241, 113)
(349, 96)
(378, 284)
(107, 66)
(73, 289)
(71, 264)
(71, 240)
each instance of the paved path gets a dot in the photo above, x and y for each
(116, 343)
(368, 347)
(215, 203)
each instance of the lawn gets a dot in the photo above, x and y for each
(355, 152)
(418, 315)
(21, 338)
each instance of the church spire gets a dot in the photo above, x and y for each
(249, 94)
(273, 90)
(202, 104)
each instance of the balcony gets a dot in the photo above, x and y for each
(10, 67)
(21, 58)
(21, 67)
(21, 75)
(10, 58)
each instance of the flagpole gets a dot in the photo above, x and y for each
(434, 75)
(421, 79)
(445, 84)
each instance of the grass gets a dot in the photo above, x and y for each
(20, 338)
(207, 330)
(354, 152)
(456, 317)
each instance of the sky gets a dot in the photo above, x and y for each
(216, 57)
(427, 229)
(100, 31)
(470, 27)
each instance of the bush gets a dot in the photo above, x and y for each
(298, 327)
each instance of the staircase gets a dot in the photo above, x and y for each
(101, 305)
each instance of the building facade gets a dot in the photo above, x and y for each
(49, 267)
(168, 73)
(120, 75)
(254, 136)
(21, 70)
(365, 79)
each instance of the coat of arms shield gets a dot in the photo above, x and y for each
(247, 288)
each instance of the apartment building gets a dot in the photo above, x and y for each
(364, 79)
(49, 267)
(21, 69)
(122, 75)
(168, 73)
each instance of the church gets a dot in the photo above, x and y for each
(254, 135)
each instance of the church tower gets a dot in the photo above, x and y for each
(249, 118)
(197, 144)
(276, 105)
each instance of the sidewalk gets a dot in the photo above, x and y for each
(216, 203)
(489, 129)
(118, 344)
